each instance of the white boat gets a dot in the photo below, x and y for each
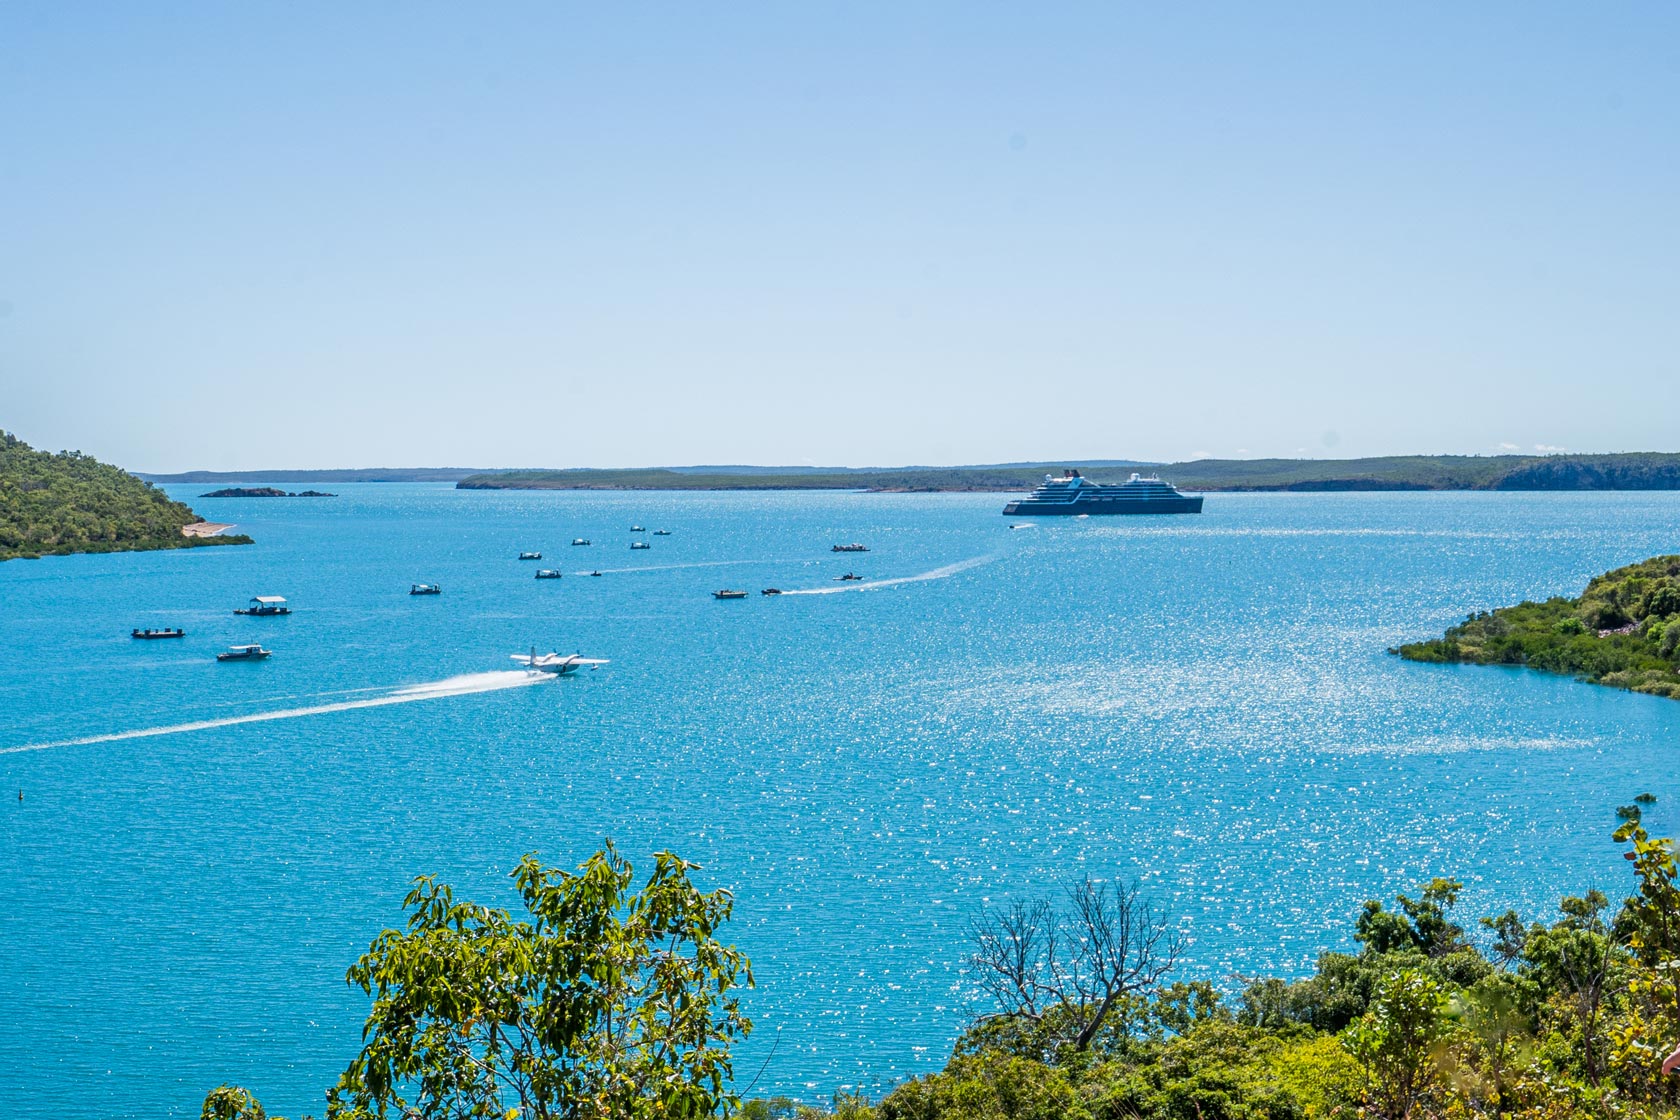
(561, 665)
(640, 544)
(580, 540)
(244, 653)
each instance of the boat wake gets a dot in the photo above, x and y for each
(946, 572)
(676, 567)
(464, 685)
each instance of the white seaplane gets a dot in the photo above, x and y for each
(561, 665)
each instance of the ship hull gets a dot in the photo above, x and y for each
(1103, 506)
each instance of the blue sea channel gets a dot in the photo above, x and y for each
(1200, 703)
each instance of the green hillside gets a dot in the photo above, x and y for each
(70, 502)
(1637, 471)
(1623, 631)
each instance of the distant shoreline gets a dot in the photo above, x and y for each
(1630, 471)
(1620, 471)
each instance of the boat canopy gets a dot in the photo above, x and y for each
(268, 600)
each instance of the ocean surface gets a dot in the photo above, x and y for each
(1201, 703)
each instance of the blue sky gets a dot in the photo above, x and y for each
(256, 235)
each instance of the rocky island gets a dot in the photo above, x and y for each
(70, 502)
(265, 492)
(1623, 631)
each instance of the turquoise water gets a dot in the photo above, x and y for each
(1200, 702)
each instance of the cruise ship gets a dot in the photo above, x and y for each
(1072, 495)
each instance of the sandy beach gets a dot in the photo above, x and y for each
(205, 529)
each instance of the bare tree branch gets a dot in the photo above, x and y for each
(1070, 969)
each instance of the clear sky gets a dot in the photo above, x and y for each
(313, 235)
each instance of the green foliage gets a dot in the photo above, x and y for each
(605, 1003)
(1422, 924)
(845, 1106)
(229, 1102)
(989, 1086)
(1624, 631)
(608, 1004)
(70, 502)
(1399, 1041)
(1181, 1007)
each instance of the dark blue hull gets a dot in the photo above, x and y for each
(1098, 506)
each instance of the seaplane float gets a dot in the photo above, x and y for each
(561, 665)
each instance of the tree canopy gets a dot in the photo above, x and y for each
(70, 502)
(1623, 630)
(599, 1003)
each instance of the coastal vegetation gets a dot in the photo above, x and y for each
(607, 1003)
(69, 502)
(1623, 631)
(1639, 471)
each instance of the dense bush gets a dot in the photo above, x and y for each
(70, 502)
(1568, 1018)
(1624, 631)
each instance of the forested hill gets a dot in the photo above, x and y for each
(1624, 631)
(1638, 471)
(70, 502)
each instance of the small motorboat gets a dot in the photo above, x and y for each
(771, 591)
(640, 544)
(424, 589)
(530, 556)
(262, 605)
(847, 577)
(850, 548)
(548, 573)
(251, 652)
(637, 529)
(594, 573)
(579, 541)
(662, 532)
(729, 594)
(167, 632)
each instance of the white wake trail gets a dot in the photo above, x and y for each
(464, 685)
(946, 572)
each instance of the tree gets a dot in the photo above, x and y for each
(606, 1003)
(1396, 1042)
(1421, 923)
(229, 1102)
(1509, 936)
(1069, 970)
